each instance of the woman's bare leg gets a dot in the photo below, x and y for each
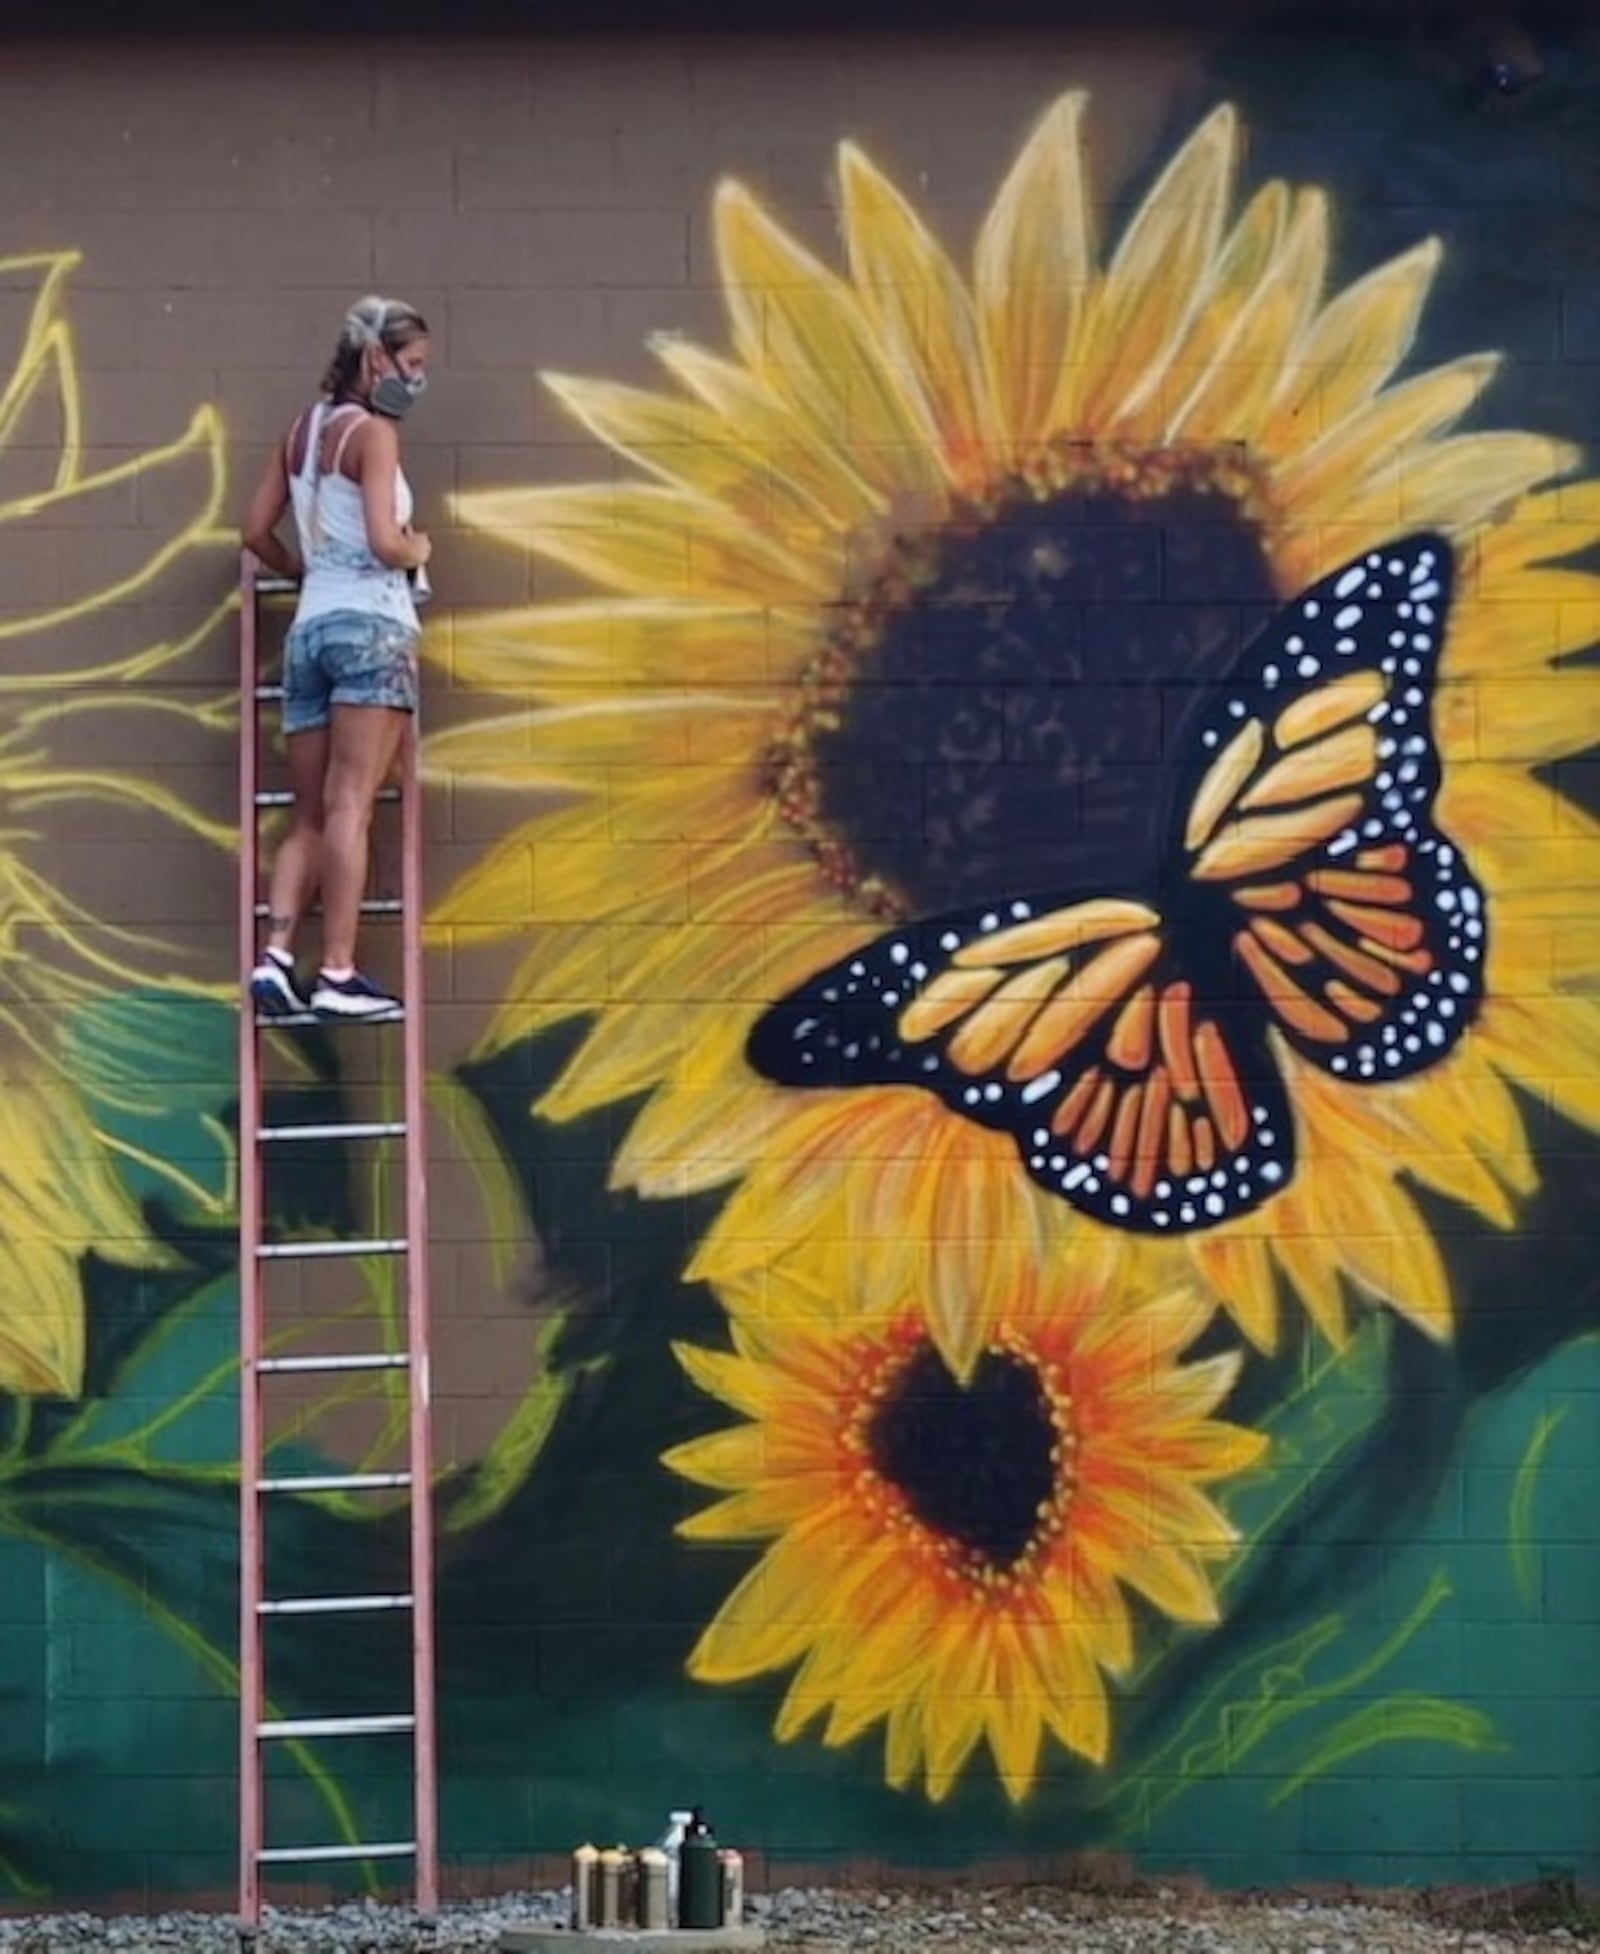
(363, 745)
(298, 862)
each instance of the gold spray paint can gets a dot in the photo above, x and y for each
(583, 1865)
(608, 1900)
(730, 1866)
(654, 1913)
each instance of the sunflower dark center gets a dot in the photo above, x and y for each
(976, 1463)
(1009, 707)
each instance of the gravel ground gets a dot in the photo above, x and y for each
(1156, 1920)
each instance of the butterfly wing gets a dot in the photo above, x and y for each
(1351, 912)
(1069, 1027)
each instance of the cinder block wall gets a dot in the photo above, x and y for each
(1139, 1398)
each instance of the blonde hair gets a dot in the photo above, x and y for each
(371, 321)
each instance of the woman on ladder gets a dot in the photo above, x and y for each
(350, 660)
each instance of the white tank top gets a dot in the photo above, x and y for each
(342, 572)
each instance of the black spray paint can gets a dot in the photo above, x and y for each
(699, 1875)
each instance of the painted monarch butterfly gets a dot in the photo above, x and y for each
(1126, 1041)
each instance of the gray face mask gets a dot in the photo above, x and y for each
(396, 393)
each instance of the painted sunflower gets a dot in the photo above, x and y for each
(821, 691)
(952, 1556)
(95, 737)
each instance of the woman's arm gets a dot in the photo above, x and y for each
(260, 527)
(376, 460)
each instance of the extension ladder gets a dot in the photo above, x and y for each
(260, 1727)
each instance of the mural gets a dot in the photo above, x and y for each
(1039, 904)
(1068, 745)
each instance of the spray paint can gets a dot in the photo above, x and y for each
(583, 1872)
(731, 1866)
(655, 1913)
(699, 1876)
(608, 1899)
(671, 1843)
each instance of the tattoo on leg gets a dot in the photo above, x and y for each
(279, 922)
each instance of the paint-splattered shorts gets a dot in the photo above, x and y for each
(346, 658)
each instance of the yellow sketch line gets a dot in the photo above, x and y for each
(136, 665)
(1406, 1718)
(1524, 1548)
(48, 339)
(204, 433)
(79, 785)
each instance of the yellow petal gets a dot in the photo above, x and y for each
(1349, 351)
(645, 541)
(618, 643)
(693, 449)
(778, 1610)
(1551, 1049)
(820, 467)
(926, 327)
(1314, 1273)
(1397, 420)
(691, 1137)
(800, 329)
(1521, 620)
(721, 1374)
(560, 745)
(631, 1047)
(1242, 261)
(1173, 1582)
(1014, 1727)
(1072, 1694)
(1532, 718)
(1033, 266)
(1238, 1268)
(1226, 397)
(1158, 279)
(1459, 483)
(904, 1742)
(952, 1725)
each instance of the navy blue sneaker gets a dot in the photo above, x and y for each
(273, 988)
(355, 998)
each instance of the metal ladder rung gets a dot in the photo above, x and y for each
(348, 1129)
(337, 1604)
(269, 692)
(293, 1251)
(370, 906)
(342, 1360)
(284, 796)
(390, 1726)
(283, 1855)
(287, 1020)
(335, 1482)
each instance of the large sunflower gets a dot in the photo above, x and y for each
(818, 694)
(101, 723)
(952, 1556)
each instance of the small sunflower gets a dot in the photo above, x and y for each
(878, 642)
(951, 1555)
(97, 725)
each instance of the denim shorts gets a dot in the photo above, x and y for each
(346, 658)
